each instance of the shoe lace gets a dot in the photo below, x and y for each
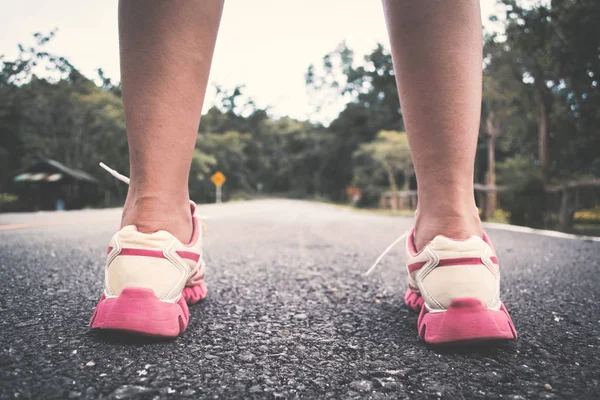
(114, 173)
(390, 247)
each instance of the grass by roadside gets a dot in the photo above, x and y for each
(587, 229)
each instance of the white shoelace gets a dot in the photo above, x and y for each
(390, 247)
(114, 173)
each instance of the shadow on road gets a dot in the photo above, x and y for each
(117, 337)
(487, 349)
(398, 323)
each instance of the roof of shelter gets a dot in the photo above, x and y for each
(48, 170)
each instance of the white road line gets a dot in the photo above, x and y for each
(542, 232)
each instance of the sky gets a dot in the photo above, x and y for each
(266, 45)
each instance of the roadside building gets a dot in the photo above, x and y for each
(50, 185)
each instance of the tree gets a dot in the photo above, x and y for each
(390, 153)
(59, 114)
(371, 84)
(552, 49)
(501, 107)
(15, 96)
(369, 89)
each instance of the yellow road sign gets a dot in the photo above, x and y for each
(218, 178)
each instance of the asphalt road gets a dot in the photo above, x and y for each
(289, 314)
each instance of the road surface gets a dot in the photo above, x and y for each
(289, 314)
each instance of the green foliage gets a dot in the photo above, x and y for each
(500, 216)
(389, 150)
(371, 84)
(380, 161)
(6, 199)
(548, 55)
(540, 96)
(588, 216)
(276, 156)
(369, 89)
(63, 116)
(524, 196)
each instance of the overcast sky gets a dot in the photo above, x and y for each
(265, 44)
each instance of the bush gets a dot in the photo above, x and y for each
(525, 198)
(526, 203)
(6, 200)
(589, 216)
(501, 216)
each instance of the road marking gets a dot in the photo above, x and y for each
(12, 227)
(542, 232)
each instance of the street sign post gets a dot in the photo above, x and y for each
(218, 179)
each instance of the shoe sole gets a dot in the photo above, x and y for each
(466, 320)
(139, 311)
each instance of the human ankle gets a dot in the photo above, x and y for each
(454, 224)
(151, 213)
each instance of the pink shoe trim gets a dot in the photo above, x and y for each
(137, 310)
(188, 255)
(410, 243)
(413, 300)
(194, 294)
(449, 262)
(415, 266)
(466, 320)
(142, 252)
(156, 253)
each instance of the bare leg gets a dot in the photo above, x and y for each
(437, 53)
(166, 50)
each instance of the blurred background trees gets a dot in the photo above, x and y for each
(388, 155)
(540, 109)
(539, 137)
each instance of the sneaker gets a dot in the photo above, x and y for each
(455, 287)
(150, 278)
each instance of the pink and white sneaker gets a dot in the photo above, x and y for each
(150, 278)
(455, 285)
